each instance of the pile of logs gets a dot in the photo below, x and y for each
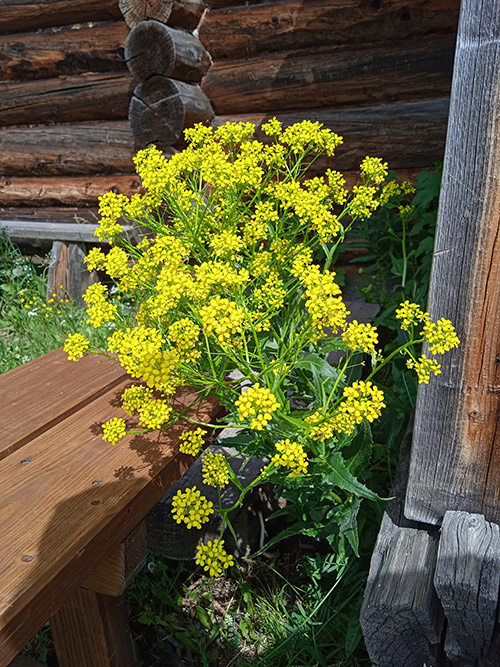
(66, 91)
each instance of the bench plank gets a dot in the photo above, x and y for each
(37, 386)
(76, 500)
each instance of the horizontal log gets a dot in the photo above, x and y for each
(363, 75)
(67, 149)
(54, 191)
(161, 108)
(58, 215)
(26, 15)
(22, 232)
(287, 25)
(394, 132)
(154, 48)
(49, 54)
(185, 14)
(66, 99)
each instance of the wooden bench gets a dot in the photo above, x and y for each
(71, 506)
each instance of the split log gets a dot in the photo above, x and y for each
(246, 31)
(68, 149)
(185, 14)
(69, 191)
(161, 108)
(374, 74)
(154, 48)
(41, 234)
(467, 581)
(72, 98)
(456, 450)
(48, 54)
(26, 15)
(394, 132)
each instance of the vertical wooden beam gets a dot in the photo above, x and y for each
(456, 450)
(67, 268)
(91, 630)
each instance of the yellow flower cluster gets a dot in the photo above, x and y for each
(134, 398)
(114, 430)
(99, 309)
(214, 470)
(185, 334)
(410, 314)
(440, 336)
(133, 345)
(363, 202)
(362, 401)
(191, 442)
(213, 558)
(324, 301)
(159, 369)
(226, 245)
(154, 413)
(291, 455)
(258, 404)
(394, 189)
(191, 508)
(424, 367)
(373, 169)
(222, 319)
(116, 263)
(360, 337)
(308, 136)
(111, 208)
(75, 346)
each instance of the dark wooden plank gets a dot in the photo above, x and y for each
(155, 48)
(101, 147)
(64, 190)
(38, 385)
(92, 630)
(47, 54)
(363, 75)
(391, 131)
(467, 581)
(70, 98)
(61, 215)
(75, 501)
(26, 15)
(456, 449)
(184, 14)
(23, 661)
(286, 25)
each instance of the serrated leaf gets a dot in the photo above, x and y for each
(337, 474)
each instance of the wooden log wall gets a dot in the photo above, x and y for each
(65, 92)
(378, 72)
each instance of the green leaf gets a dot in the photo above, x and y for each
(349, 525)
(338, 474)
(353, 634)
(359, 453)
(203, 617)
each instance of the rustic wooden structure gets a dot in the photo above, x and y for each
(72, 507)
(433, 596)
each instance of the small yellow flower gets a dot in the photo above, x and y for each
(424, 367)
(114, 430)
(214, 470)
(192, 441)
(75, 345)
(440, 336)
(191, 508)
(133, 398)
(291, 455)
(257, 404)
(410, 314)
(213, 558)
(360, 337)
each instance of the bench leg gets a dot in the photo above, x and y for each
(92, 630)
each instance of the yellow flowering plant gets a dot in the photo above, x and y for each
(223, 280)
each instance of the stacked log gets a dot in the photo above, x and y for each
(167, 64)
(363, 69)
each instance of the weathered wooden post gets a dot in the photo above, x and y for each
(432, 597)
